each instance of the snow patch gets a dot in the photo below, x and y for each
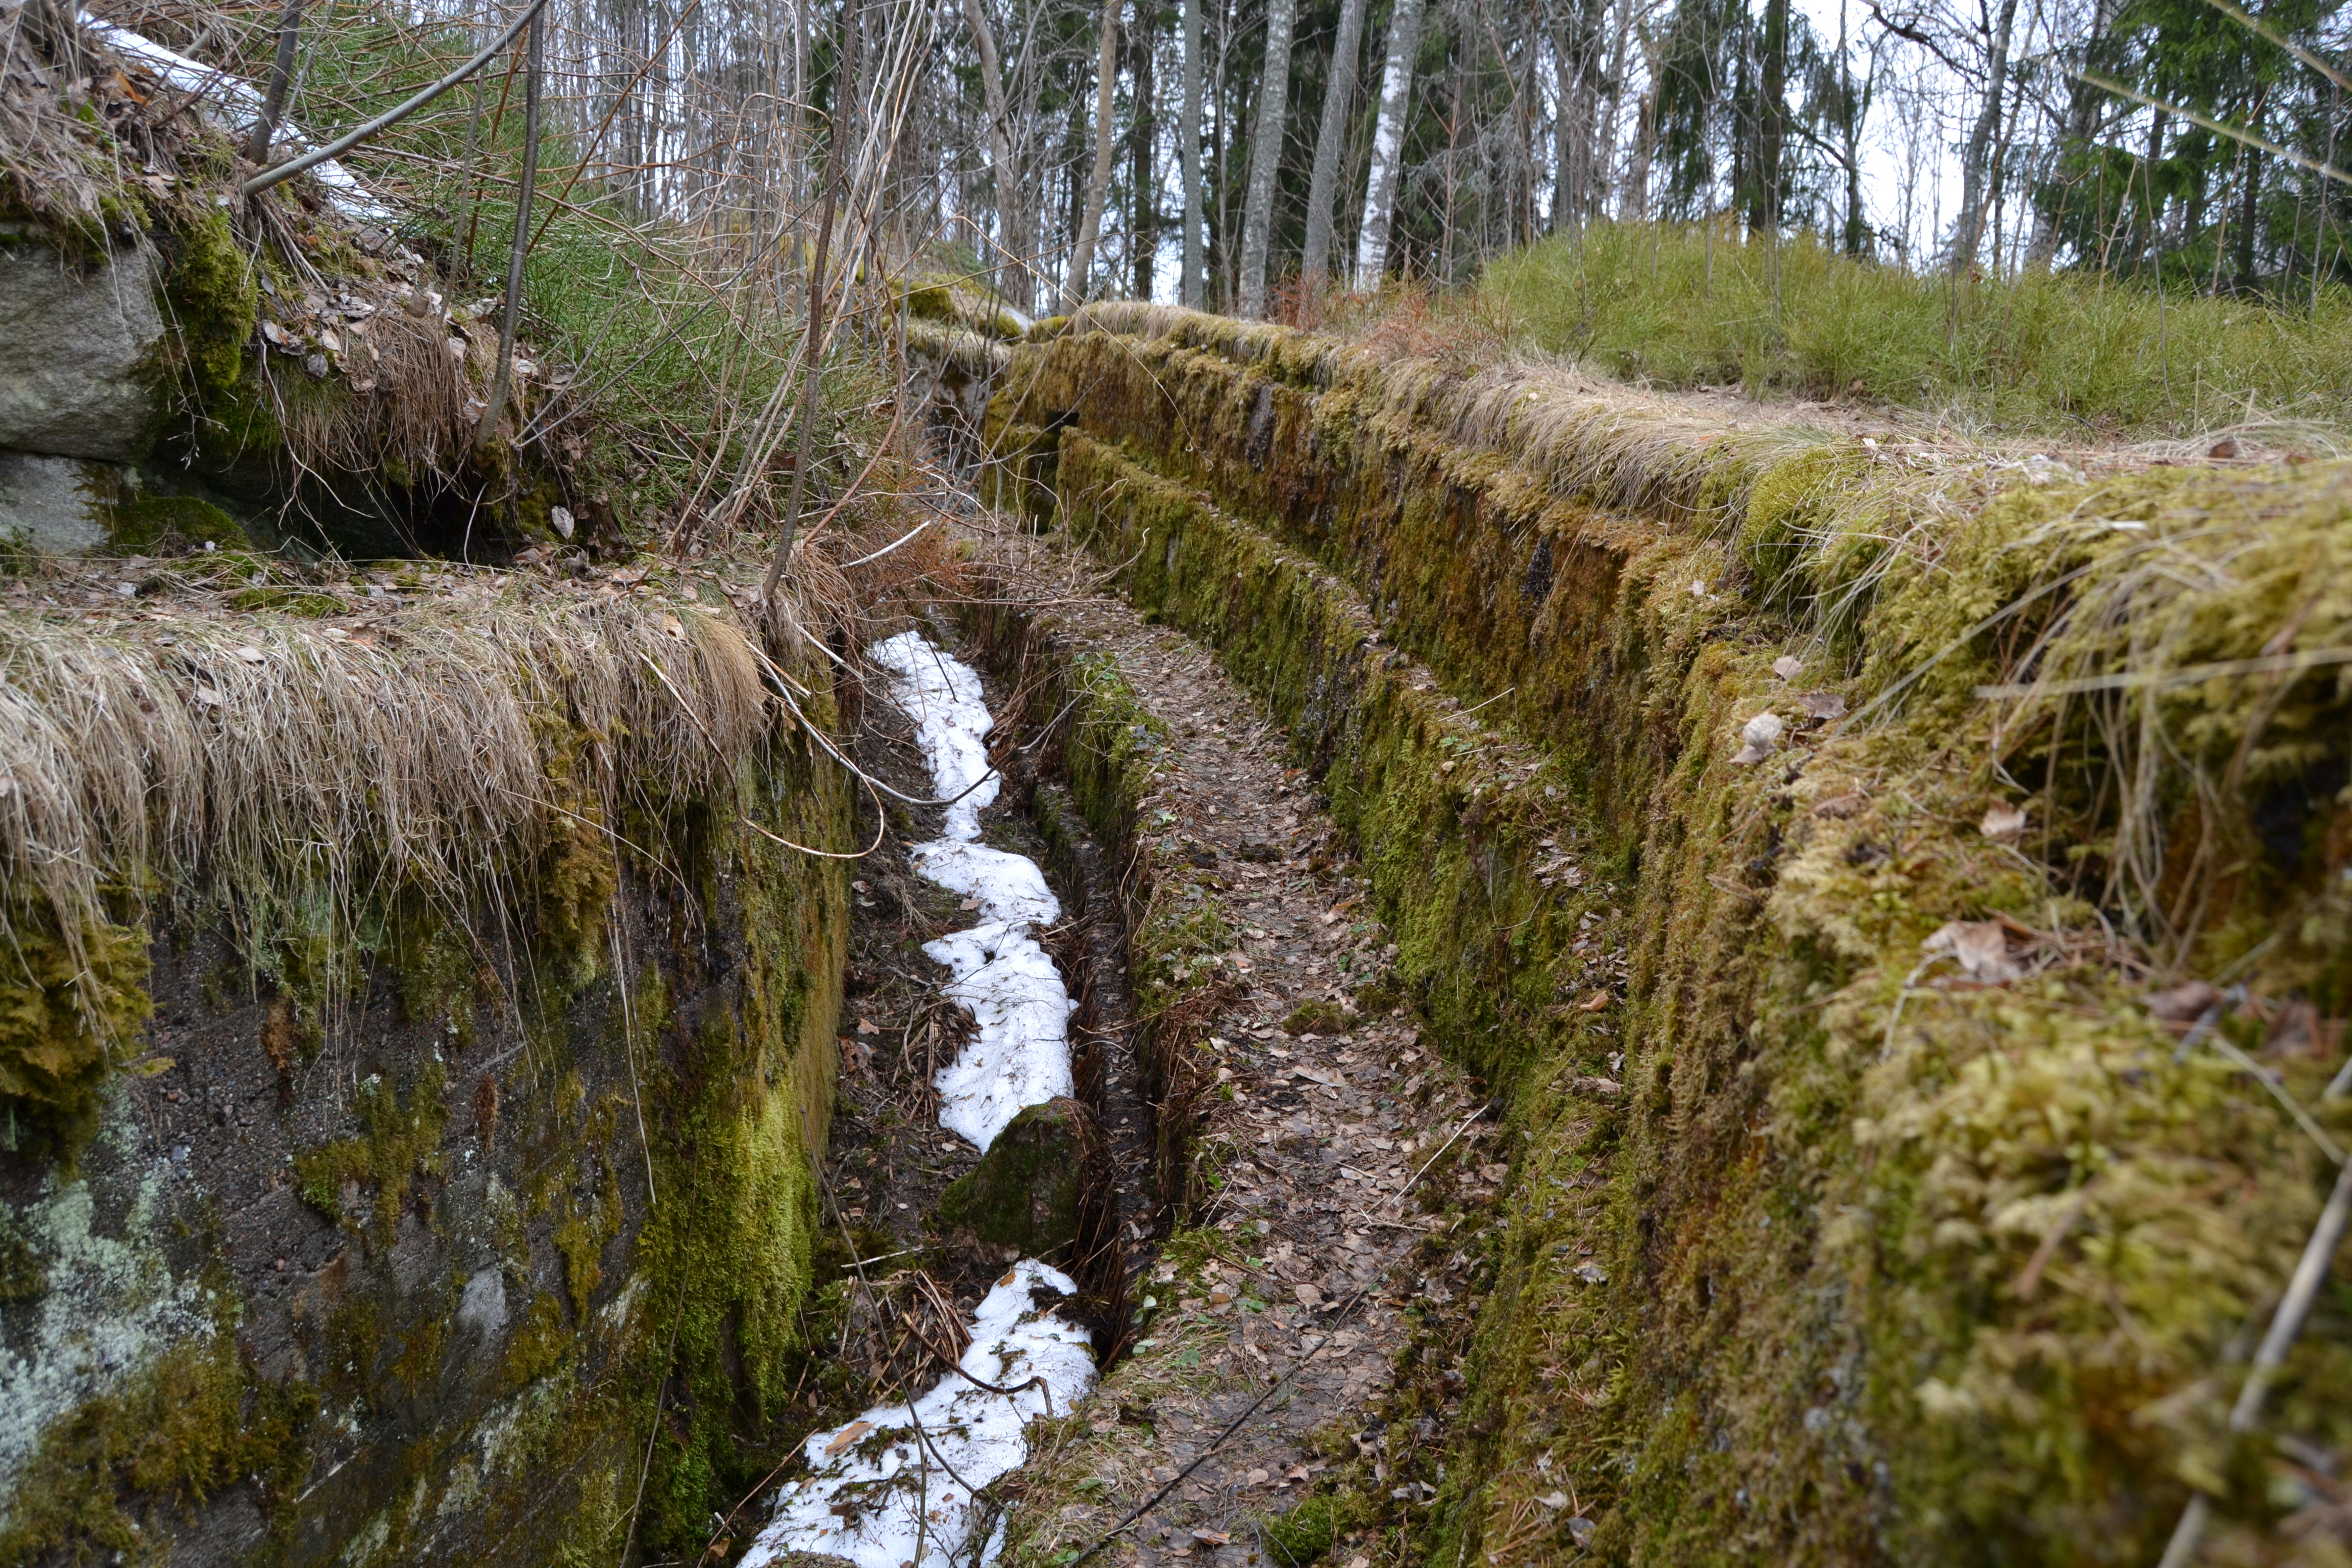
(941, 694)
(1021, 1054)
(895, 1487)
(1002, 976)
(235, 103)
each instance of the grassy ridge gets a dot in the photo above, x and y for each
(1818, 1248)
(1673, 307)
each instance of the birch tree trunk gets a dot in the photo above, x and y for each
(1002, 178)
(1976, 159)
(1322, 189)
(1189, 134)
(1388, 144)
(1265, 156)
(2074, 144)
(1082, 254)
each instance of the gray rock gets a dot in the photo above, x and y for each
(76, 353)
(482, 1308)
(58, 502)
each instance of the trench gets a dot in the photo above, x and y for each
(1029, 958)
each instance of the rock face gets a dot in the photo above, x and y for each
(76, 353)
(57, 503)
(1024, 1192)
(381, 1279)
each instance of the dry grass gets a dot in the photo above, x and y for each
(264, 758)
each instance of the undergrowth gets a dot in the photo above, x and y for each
(1679, 307)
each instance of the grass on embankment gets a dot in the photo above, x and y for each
(2061, 352)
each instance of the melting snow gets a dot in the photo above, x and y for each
(238, 106)
(895, 1487)
(941, 694)
(1003, 978)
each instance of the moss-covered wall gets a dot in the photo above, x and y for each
(484, 1242)
(1821, 1248)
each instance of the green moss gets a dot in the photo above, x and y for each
(1024, 1192)
(1313, 1018)
(1307, 1532)
(1807, 1215)
(110, 1476)
(287, 601)
(578, 873)
(143, 524)
(580, 1240)
(65, 1017)
(537, 1344)
(738, 1112)
(24, 1273)
(928, 301)
(216, 305)
(399, 1139)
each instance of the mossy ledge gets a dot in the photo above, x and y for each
(367, 1226)
(1889, 1262)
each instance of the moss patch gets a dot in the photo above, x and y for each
(170, 525)
(289, 601)
(1024, 1194)
(65, 1015)
(214, 302)
(399, 1139)
(114, 1473)
(1783, 1172)
(1307, 1532)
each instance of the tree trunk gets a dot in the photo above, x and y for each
(1569, 130)
(1189, 138)
(1772, 119)
(1976, 159)
(1323, 187)
(1388, 143)
(1853, 103)
(2082, 102)
(1074, 285)
(281, 73)
(1144, 147)
(534, 69)
(1003, 180)
(812, 339)
(1265, 156)
(2248, 219)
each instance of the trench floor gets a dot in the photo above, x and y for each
(1348, 1162)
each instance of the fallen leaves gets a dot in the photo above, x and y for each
(1981, 947)
(1824, 705)
(2004, 822)
(1758, 738)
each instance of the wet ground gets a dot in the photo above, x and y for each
(1317, 1303)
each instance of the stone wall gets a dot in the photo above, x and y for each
(1852, 1215)
(479, 1236)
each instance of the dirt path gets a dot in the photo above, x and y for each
(1317, 1259)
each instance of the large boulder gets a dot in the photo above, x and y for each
(59, 504)
(78, 353)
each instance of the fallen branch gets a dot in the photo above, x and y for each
(392, 117)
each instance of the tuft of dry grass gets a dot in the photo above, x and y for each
(261, 756)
